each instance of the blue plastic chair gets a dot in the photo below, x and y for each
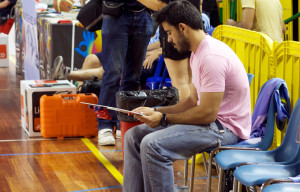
(232, 158)
(283, 187)
(281, 162)
(290, 184)
(250, 77)
(157, 82)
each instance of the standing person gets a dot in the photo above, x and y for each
(5, 21)
(218, 110)
(177, 63)
(210, 8)
(124, 42)
(263, 16)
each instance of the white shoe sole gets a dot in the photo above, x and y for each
(106, 143)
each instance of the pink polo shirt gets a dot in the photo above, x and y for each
(216, 68)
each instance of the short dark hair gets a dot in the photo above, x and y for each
(180, 11)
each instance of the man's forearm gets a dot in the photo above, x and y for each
(183, 105)
(193, 116)
(155, 5)
(234, 23)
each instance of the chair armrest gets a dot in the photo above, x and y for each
(253, 163)
(213, 152)
(237, 148)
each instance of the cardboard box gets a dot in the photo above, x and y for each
(31, 92)
(4, 55)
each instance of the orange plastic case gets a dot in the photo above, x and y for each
(64, 116)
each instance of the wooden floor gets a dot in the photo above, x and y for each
(72, 164)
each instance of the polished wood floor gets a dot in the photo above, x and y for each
(70, 164)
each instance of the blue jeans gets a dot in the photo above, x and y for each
(149, 153)
(124, 43)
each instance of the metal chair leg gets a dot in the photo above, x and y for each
(235, 184)
(239, 188)
(191, 188)
(208, 187)
(186, 170)
(205, 163)
(220, 183)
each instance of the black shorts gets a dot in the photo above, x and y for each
(168, 51)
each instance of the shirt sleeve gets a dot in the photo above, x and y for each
(213, 74)
(248, 4)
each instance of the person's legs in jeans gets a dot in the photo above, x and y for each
(124, 45)
(149, 153)
(138, 40)
(114, 48)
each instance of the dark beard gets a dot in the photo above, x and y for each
(184, 46)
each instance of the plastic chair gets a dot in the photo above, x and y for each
(283, 187)
(291, 184)
(281, 162)
(157, 81)
(232, 158)
(250, 77)
(207, 169)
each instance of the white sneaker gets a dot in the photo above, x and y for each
(118, 134)
(105, 137)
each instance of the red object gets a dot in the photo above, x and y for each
(64, 21)
(102, 113)
(125, 126)
(5, 28)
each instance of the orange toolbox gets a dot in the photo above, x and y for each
(64, 116)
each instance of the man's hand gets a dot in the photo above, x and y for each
(283, 28)
(151, 118)
(230, 22)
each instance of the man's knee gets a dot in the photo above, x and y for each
(131, 135)
(148, 144)
(91, 61)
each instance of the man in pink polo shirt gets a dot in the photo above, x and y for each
(217, 110)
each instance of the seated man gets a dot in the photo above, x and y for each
(263, 16)
(216, 112)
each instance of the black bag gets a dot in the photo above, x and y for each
(130, 100)
(90, 15)
(228, 181)
(3, 20)
(112, 8)
(91, 86)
